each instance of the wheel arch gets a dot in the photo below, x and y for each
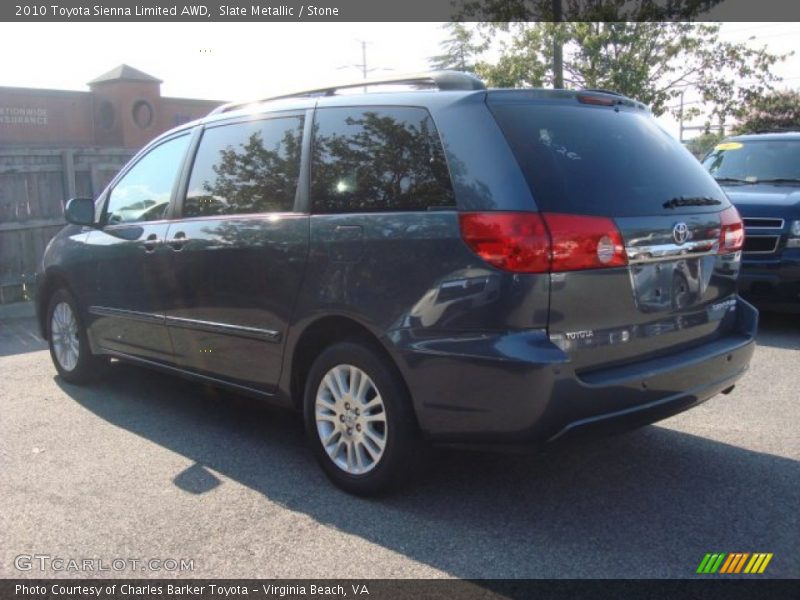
(320, 334)
(52, 280)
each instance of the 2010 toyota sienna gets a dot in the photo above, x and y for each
(443, 264)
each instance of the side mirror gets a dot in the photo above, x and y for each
(80, 211)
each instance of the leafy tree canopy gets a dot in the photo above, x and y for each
(504, 11)
(460, 49)
(704, 143)
(775, 111)
(653, 62)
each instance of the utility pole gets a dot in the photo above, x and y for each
(362, 66)
(682, 129)
(363, 58)
(558, 50)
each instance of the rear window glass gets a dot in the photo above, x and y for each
(378, 159)
(599, 161)
(755, 161)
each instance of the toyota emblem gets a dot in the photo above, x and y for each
(680, 233)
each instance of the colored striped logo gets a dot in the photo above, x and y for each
(734, 562)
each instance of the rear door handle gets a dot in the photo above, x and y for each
(178, 241)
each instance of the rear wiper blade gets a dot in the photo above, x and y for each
(780, 180)
(732, 180)
(691, 201)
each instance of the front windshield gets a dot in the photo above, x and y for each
(754, 161)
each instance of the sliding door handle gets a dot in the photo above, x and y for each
(178, 241)
(152, 242)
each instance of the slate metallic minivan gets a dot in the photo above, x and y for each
(444, 264)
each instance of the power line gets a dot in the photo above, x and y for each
(671, 106)
(762, 26)
(747, 82)
(756, 38)
(362, 66)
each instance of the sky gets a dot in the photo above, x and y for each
(240, 61)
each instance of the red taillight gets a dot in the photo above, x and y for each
(581, 242)
(510, 241)
(731, 237)
(539, 243)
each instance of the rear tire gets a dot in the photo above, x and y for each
(69, 346)
(359, 420)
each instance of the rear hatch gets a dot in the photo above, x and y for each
(610, 183)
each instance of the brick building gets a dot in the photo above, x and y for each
(123, 108)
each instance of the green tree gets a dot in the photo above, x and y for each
(777, 110)
(703, 143)
(460, 50)
(650, 61)
(504, 11)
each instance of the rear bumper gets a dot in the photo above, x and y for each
(682, 386)
(521, 389)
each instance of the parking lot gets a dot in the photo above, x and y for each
(143, 465)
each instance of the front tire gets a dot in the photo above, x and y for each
(69, 346)
(359, 421)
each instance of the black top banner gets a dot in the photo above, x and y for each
(398, 10)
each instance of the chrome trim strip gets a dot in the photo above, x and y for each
(776, 219)
(272, 217)
(659, 252)
(134, 315)
(752, 237)
(269, 335)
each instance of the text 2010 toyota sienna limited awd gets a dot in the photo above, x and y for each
(452, 264)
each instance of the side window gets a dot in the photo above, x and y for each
(381, 159)
(249, 167)
(144, 192)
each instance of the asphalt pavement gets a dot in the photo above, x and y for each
(146, 466)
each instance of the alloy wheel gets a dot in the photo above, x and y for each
(351, 419)
(64, 335)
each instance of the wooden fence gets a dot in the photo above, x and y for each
(35, 184)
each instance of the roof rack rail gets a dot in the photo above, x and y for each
(443, 80)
